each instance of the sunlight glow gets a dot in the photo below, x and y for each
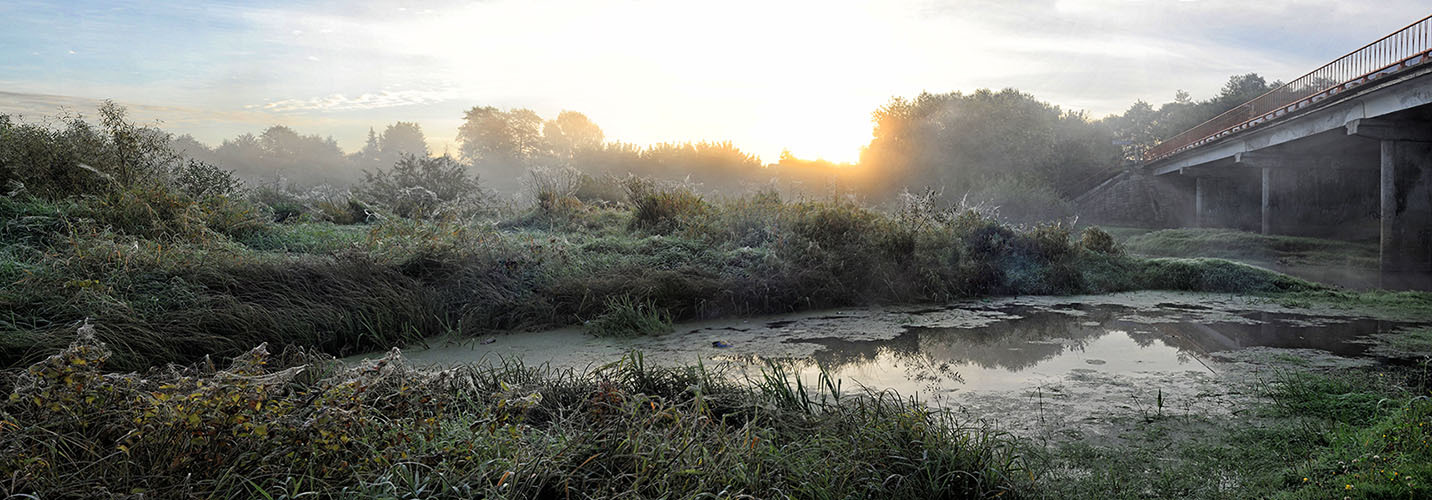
(766, 75)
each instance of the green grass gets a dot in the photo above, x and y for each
(1242, 245)
(1405, 305)
(1415, 343)
(307, 237)
(629, 317)
(296, 424)
(1356, 434)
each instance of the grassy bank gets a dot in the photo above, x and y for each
(355, 288)
(292, 425)
(1360, 433)
(1250, 247)
(1356, 433)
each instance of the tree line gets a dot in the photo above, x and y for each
(1001, 146)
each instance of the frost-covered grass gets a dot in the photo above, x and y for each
(1253, 247)
(296, 424)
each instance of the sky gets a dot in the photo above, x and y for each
(767, 75)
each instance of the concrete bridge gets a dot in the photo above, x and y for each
(1342, 152)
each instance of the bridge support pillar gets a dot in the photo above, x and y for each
(1406, 213)
(1405, 183)
(1224, 198)
(1200, 195)
(1266, 206)
(1270, 167)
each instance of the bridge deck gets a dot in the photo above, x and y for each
(1392, 55)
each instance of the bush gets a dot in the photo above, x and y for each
(346, 211)
(662, 209)
(82, 159)
(201, 180)
(602, 189)
(1214, 275)
(1097, 240)
(554, 190)
(424, 188)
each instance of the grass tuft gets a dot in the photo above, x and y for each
(627, 317)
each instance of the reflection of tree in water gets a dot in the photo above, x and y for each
(935, 354)
(1012, 345)
(1272, 330)
(904, 349)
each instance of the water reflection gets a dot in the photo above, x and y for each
(999, 346)
(1048, 344)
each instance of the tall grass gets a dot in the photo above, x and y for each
(297, 424)
(627, 317)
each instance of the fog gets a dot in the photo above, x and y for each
(1004, 148)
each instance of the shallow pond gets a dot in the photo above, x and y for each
(1008, 345)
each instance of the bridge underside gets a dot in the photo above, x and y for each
(1356, 169)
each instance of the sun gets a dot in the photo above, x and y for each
(836, 141)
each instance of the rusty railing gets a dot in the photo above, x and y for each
(1392, 54)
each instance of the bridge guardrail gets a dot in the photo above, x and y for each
(1389, 55)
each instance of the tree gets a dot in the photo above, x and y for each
(282, 153)
(570, 132)
(973, 143)
(189, 147)
(1242, 88)
(402, 138)
(490, 135)
(501, 144)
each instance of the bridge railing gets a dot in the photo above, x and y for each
(1406, 48)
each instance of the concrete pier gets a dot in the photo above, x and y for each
(1406, 211)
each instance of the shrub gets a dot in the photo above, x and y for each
(82, 159)
(662, 209)
(752, 220)
(554, 190)
(284, 205)
(603, 189)
(149, 212)
(422, 188)
(201, 180)
(1214, 275)
(1097, 240)
(347, 211)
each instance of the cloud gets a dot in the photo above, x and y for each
(341, 102)
(765, 74)
(45, 106)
